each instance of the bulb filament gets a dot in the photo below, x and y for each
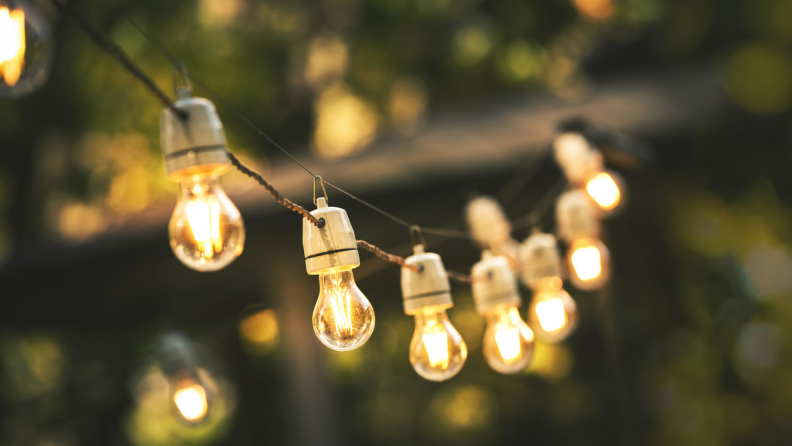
(12, 44)
(604, 191)
(552, 315)
(436, 343)
(190, 399)
(508, 341)
(204, 219)
(587, 263)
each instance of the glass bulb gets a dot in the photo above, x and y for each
(437, 351)
(553, 312)
(190, 399)
(206, 230)
(605, 188)
(588, 263)
(508, 342)
(25, 48)
(343, 318)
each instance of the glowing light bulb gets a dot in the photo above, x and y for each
(206, 229)
(589, 263)
(437, 351)
(12, 45)
(190, 399)
(343, 318)
(605, 188)
(553, 312)
(25, 49)
(508, 342)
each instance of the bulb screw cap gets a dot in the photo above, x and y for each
(539, 260)
(427, 288)
(493, 283)
(196, 144)
(576, 216)
(331, 246)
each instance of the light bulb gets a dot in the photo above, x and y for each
(25, 49)
(190, 399)
(206, 230)
(437, 351)
(553, 312)
(588, 263)
(508, 342)
(343, 318)
(606, 189)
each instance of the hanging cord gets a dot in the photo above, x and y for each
(288, 204)
(542, 206)
(361, 244)
(116, 51)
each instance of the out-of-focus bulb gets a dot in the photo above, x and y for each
(206, 229)
(343, 318)
(588, 263)
(437, 351)
(605, 188)
(25, 49)
(508, 342)
(553, 312)
(190, 398)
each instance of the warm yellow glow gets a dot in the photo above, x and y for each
(437, 348)
(437, 351)
(190, 399)
(604, 190)
(12, 44)
(509, 344)
(206, 230)
(552, 314)
(345, 123)
(587, 263)
(260, 329)
(343, 318)
(595, 9)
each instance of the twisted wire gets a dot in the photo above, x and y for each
(288, 204)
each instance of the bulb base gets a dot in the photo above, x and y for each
(576, 157)
(576, 216)
(333, 246)
(427, 288)
(493, 283)
(539, 260)
(195, 144)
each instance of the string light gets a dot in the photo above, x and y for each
(437, 351)
(206, 229)
(552, 313)
(587, 257)
(490, 227)
(190, 392)
(343, 318)
(508, 342)
(25, 48)
(583, 166)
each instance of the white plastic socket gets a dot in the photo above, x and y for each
(195, 144)
(426, 288)
(576, 216)
(577, 158)
(333, 246)
(539, 260)
(493, 283)
(488, 223)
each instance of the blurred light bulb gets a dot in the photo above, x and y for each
(508, 342)
(589, 263)
(343, 318)
(605, 189)
(25, 49)
(190, 399)
(206, 229)
(437, 351)
(553, 312)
